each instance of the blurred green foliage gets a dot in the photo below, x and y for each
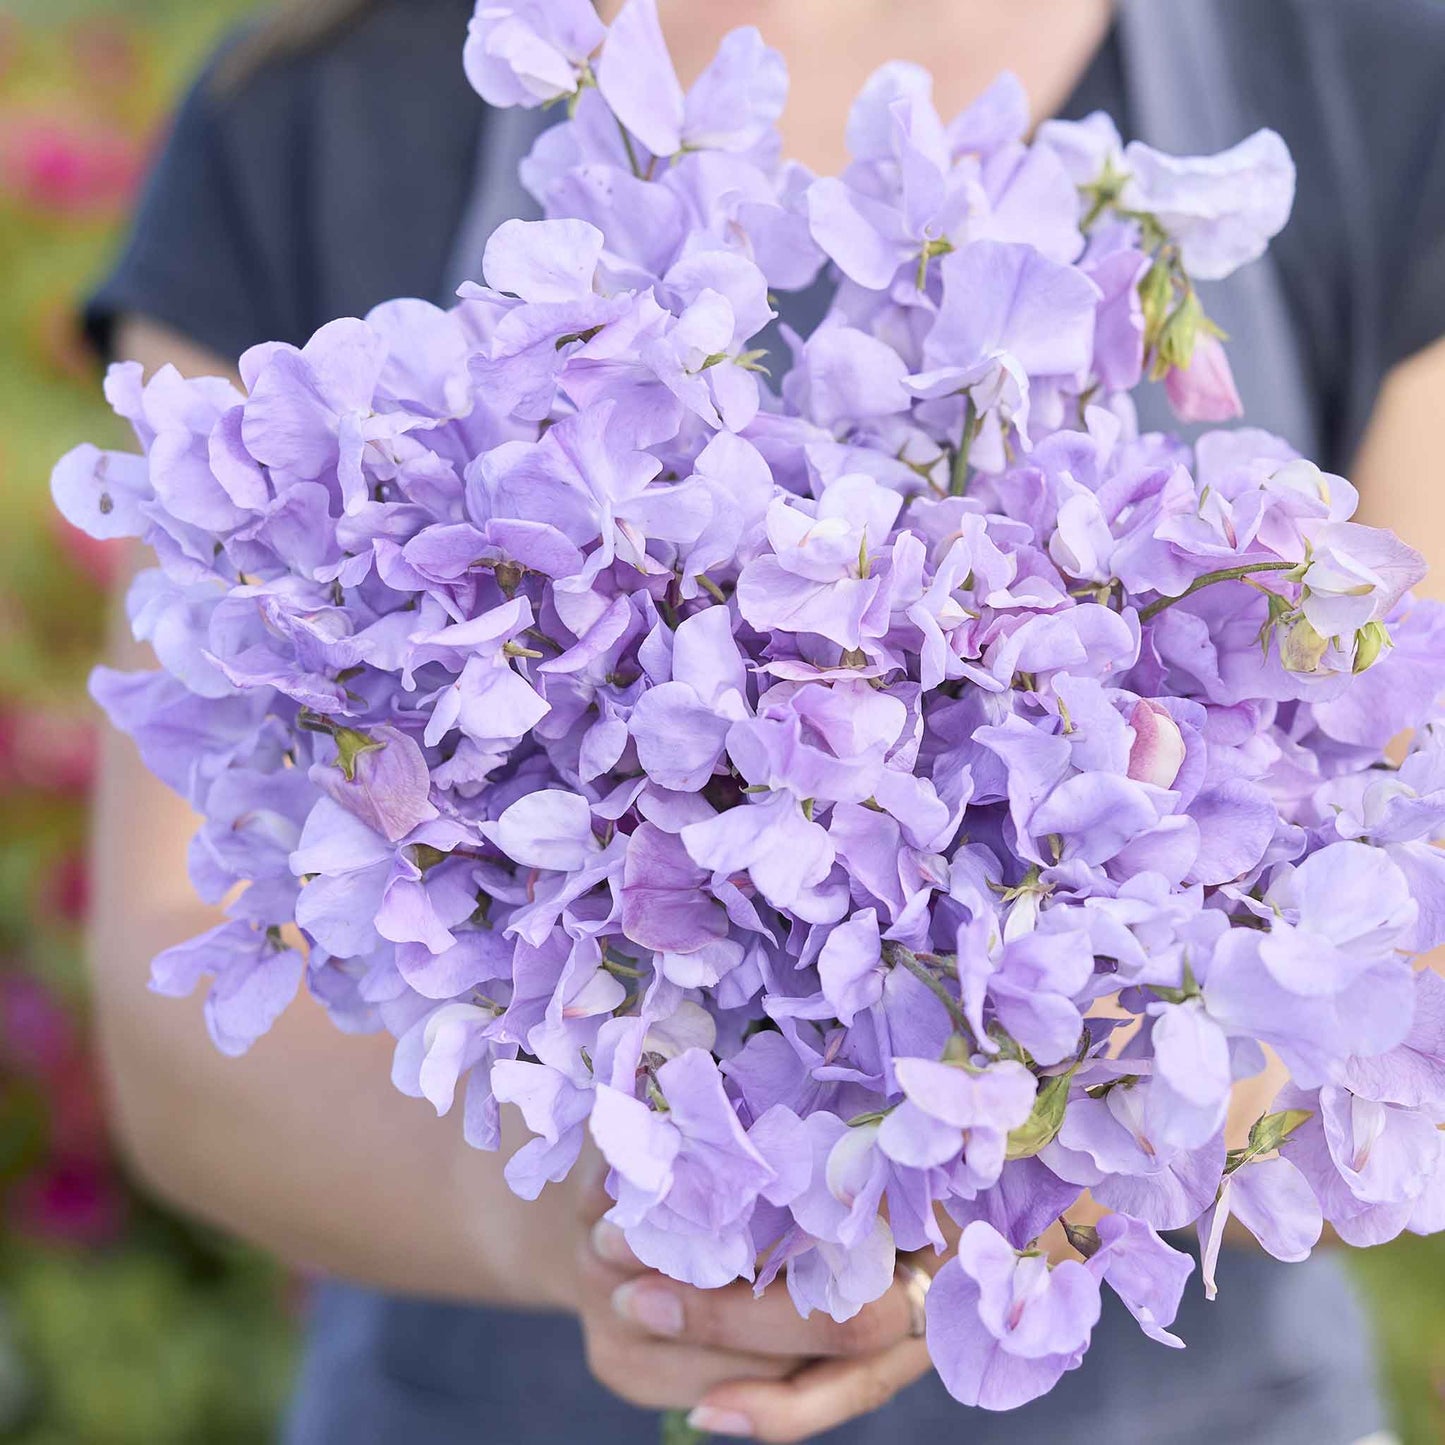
(120, 1325)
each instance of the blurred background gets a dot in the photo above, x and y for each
(121, 1324)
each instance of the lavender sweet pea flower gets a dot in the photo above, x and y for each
(1105, 1145)
(1357, 575)
(309, 411)
(1144, 1272)
(1086, 148)
(255, 975)
(101, 492)
(687, 1179)
(555, 1109)
(665, 902)
(1189, 1094)
(386, 783)
(530, 53)
(1008, 314)
(845, 376)
(543, 262)
(680, 726)
(839, 1252)
(443, 1047)
(1310, 1032)
(1412, 1073)
(1032, 984)
(899, 202)
(774, 780)
(944, 1103)
(771, 840)
(1369, 1164)
(1341, 912)
(1273, 1200)
(816, 579)
(735, 103)
(362, 888)
(548, 829)
(850, 966)
(827, 744)
(489, 699)
(701, 357)
(732, 106)
(1004, 1326)
(1223, 210)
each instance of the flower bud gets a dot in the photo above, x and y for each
(1158, 750)
(1370, 641)
(1156, 290)
(1204, 390)
(1302, 648)
(1181, 333)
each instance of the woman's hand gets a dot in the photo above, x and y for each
(746, 1367)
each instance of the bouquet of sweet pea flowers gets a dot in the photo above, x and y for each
(888, 793)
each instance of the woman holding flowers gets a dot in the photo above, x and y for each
(338, 159)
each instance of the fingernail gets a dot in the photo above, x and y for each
(610, 1243)
(713, 1421)
(653, 1307)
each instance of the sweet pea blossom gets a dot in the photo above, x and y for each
(530, 53)
(857, 791)
(1004, 1326)
(1223, 210)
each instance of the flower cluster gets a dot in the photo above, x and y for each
(884, 804)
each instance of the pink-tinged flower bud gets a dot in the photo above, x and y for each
(1204, 391)
(1158, 751)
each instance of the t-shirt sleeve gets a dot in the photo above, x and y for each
(191, 258)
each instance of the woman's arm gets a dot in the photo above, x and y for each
(1400, 470)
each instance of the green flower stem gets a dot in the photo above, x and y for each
(897, 954)
(1226, 574)
(631, 152)
(972, 424)
(676, 1430)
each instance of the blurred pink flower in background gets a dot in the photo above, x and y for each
(70, 1193)
(47, 750)
(67, 167)
(70, 1202)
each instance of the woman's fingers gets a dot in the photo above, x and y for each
(733, 1318)
(660, 1376)
(819, 1397)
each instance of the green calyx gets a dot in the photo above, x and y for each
(1268, 1133)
